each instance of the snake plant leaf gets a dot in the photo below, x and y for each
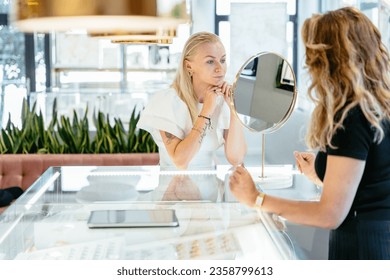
(66, 134)
(54, 111)
(42, 151)
(99, 145)
(133, 122)
(42, 133)
(120, 135)
(25, 109)
(8, 143)
(9, 124)
(110, 145)
(101, 122)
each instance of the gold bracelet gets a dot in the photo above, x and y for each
(198, 130)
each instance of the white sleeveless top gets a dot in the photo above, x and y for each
(167, 112)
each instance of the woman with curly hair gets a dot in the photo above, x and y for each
(350, 130)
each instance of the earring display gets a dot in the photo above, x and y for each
(210, 246)
(206, 246)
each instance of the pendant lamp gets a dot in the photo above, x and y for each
(121, 19)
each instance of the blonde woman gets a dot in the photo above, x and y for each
(350, 129)
(192, 119)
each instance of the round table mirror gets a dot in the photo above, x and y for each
(264, 94)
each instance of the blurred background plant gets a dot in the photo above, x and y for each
(64, 135)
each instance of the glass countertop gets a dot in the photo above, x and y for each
(49, 221)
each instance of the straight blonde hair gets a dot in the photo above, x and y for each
(183, 80)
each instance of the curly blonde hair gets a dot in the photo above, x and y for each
(349, 67)
(183, 80)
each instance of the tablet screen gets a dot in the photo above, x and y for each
(133, 218)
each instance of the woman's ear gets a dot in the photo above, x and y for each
(187, 65)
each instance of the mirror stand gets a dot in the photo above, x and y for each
(262, 154)
(263, 96)
(278, 179)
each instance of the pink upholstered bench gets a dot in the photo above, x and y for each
(23, 169)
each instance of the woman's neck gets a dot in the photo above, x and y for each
(200, 89)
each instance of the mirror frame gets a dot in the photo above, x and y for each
(288, 113)
(281, 122)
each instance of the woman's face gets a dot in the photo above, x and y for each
(208, 65)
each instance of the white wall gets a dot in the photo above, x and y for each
(203, 15)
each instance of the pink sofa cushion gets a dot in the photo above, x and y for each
(22, 170)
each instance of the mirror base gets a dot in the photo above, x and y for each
(272, 177)
(274, 181)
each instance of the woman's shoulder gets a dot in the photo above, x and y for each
(161, 113)
(166, 96)
(166, 103)
(353, 115)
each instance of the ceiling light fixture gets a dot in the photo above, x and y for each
(143, 41)
(161, 36)
(157, 19)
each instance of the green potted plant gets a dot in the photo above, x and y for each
(65, 136)
(26, 152)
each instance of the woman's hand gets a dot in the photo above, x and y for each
(243, 187)
(305, 164)
(226, 91)
(210, 100)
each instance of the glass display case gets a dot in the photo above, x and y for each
(49, 221)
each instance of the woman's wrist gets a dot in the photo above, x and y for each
(207, 120)
(205, 113)
(259, 200)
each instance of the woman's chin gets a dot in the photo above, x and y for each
(218, 83)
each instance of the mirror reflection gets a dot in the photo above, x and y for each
(264, 92)
(186, 187)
